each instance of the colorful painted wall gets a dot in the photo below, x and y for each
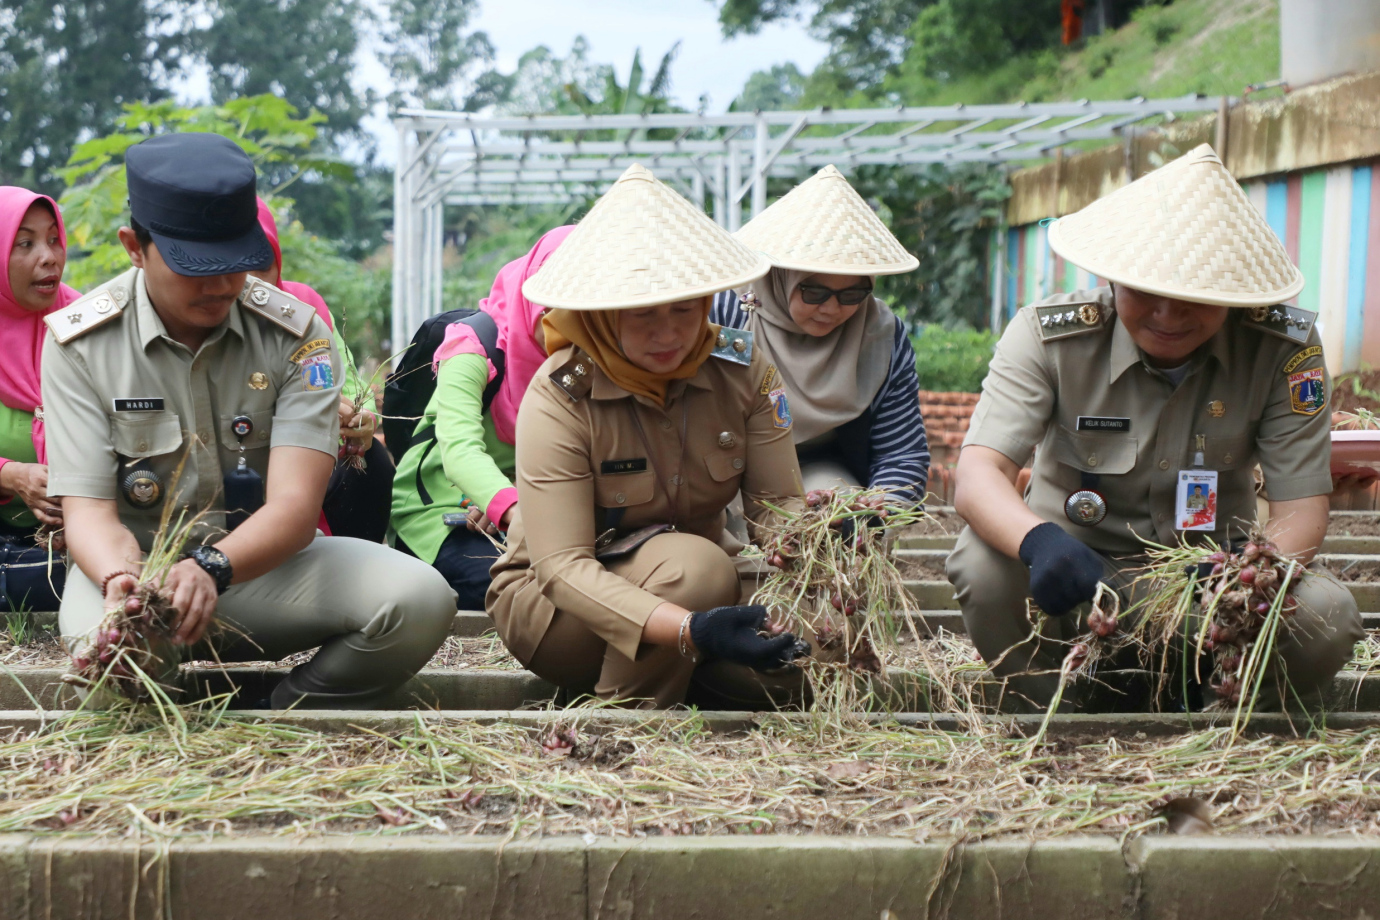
(1329, 221)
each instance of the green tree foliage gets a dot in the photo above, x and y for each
(944, 215)
(432, 59)
(302, 50)
(68, 68)
(543, 82)
(781, 87)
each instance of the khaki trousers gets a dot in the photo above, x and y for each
(377, 615)
(992, 589)
(680, 568)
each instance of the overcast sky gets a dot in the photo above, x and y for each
(615, 29)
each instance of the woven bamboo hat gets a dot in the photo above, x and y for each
(823, 225)
(1186, 231)
(641, 245)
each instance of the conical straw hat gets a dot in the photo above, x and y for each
(641, 245)
(1186, 231)
(823, 225)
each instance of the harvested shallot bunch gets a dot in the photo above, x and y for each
(835, 580)
(121, 653)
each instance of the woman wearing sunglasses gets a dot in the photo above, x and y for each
(843, 357)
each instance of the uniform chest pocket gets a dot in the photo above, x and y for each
(1226, 453)
(1107, 454)
(622, 490)
(724, 465)
(260, 430)
(148, 436)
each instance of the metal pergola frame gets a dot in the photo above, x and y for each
(718, 161)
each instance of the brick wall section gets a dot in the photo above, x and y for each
(946, 423)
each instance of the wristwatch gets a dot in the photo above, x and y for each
(214, 563)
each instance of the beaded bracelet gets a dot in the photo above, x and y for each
(106, 580)
(680, 637)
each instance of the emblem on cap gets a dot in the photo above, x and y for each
(1086, 508)
(142, 488)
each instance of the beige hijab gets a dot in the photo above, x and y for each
(829, 379)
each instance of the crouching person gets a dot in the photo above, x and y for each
(1147, 404)
(177, 388)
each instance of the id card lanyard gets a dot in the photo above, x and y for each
(1195, 496)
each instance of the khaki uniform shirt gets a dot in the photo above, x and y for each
(121, 397)
(1257, 392)
(592, 457)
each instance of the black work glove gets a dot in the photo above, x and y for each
(730, 633)
(1063, 572)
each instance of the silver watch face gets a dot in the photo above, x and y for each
(214, 556)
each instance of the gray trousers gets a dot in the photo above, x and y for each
(992, 589)
(377, 615)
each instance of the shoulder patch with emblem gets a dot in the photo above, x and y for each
(733, 345)
(1312, 351)
(1307, 393)
(86, 313)
(768, 380)
(1286, 322)
(277, 306)
(575, 377)
(312, 347)
(1063, 320)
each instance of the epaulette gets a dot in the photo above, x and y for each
(575, 377)
(733, 345)
(86, 313)
(1062, 320)
(1286, 322)
(277, 306)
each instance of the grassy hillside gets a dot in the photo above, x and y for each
(1204, 46)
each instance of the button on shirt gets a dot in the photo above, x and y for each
(1235, 393)
(95, 442)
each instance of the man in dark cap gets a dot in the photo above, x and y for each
(186, 382)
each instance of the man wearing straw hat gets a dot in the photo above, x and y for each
(1148, 403)
(637, 432)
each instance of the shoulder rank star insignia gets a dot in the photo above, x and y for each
(287, 309)
(75, 319)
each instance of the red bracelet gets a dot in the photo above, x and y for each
(106, 580)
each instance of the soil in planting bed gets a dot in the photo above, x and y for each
(1354, 525)
(938, 522)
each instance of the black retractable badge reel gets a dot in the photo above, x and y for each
(244, 487)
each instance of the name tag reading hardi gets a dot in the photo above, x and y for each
(151, 404)
(1103, 423)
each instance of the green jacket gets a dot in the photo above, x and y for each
(465, 460)
(16, 443)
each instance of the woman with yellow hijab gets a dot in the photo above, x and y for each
(634, 436)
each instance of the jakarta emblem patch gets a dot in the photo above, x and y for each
(317, 373)
(780, 408)
(1306, 393)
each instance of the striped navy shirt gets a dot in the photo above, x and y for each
(900, 455)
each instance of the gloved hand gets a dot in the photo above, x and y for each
(730, 633)
(1063, 571)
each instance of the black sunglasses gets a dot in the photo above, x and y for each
(816, 294)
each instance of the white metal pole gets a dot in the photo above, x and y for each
(735, 179)
(401, 207)
(697, 189)
(438, 252)
(720, 192)
(759, 166)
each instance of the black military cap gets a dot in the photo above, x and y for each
(195, 194)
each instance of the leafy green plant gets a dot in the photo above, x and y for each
(952, 360)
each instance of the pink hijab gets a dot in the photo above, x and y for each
(516, 318)
(21, 330)
(303, 292)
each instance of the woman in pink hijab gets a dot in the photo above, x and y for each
(34, 244)
(357, 499)
(455, 486)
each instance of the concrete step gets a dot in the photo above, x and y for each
(481, 690)
(806, 877)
